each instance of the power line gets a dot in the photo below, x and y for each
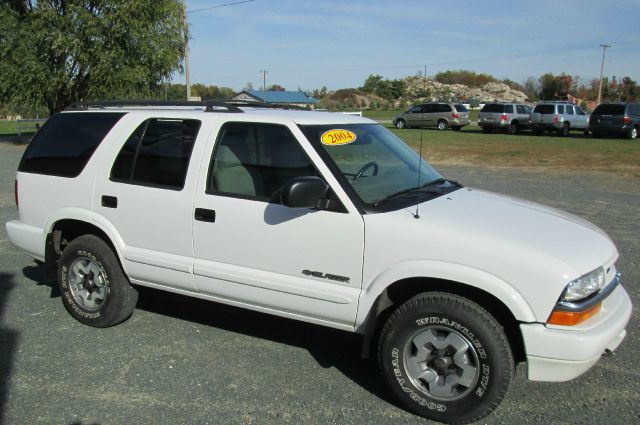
(219, 6)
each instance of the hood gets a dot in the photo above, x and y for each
(528, 225)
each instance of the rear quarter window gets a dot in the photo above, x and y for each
(609, 109)
(460, 108)
(492, 108)
(544, 109)
(64, 145)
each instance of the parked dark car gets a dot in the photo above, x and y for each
(620, 119)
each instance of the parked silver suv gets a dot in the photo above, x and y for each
(511, 117)
(440, 115)
(558, 117)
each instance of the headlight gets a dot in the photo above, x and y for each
(584, 286)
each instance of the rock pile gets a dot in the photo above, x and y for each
(424, 89)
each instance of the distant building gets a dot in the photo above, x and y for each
(291, 98)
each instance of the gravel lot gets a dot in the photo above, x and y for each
(183, 361)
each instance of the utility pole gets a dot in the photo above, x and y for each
(604, 49)
(264, 79)
(186, 48)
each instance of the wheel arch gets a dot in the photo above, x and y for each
(401, 290)
(64, 226)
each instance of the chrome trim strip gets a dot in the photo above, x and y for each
(590, 301)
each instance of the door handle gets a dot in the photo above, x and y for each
(203, 214)
(109, 201)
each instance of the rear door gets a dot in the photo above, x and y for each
(252, 251)
(524, 115)
(146, 193)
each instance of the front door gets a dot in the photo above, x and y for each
(252, 251)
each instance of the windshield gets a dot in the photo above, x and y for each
(373, 161)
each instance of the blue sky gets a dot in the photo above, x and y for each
(310, 44)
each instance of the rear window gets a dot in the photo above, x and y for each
(544, 109)
(460, 108)
(492, 108)
(609, 109)
(64, 145)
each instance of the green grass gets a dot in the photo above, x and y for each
(7, 127)
(577, 152)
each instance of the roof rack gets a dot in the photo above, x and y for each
(228, 106)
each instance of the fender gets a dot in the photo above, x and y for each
(476, 278)
(91, 217)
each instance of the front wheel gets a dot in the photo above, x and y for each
(445, 358)
(442, 125)
(564, 131)
(512, 129)
(93, 286)
(401, 124)
(633, 133)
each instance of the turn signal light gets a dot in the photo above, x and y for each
(555, 119)
(503, 117)
(455, 116)
(571, 318)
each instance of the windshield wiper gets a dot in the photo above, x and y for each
(425, 188)
(409, 191)
(441, 180)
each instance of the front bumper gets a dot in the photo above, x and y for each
(562, 353)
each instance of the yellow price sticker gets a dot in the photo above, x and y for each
(338, 137)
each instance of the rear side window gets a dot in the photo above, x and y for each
(508, 109)
(544, 109)
(609, 109)
(442, 108)
(460, 108)
(560, 109)
(492, 108)
(66, 142)
(523, 109)
(157, 154)
(569, 110)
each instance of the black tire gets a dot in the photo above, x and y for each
(486, 130)
(105, 278)
(596, 134)
(433, 316)
(537, 131)
(442, 125)
(513, 128)
(401, 124)
(564, 131)
(633, 133)
(456, 128)
(586, 132)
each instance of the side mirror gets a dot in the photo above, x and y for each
(303, 192)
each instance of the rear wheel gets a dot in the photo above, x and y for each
(401, 124)
(513, 128)
(564, 131)
(93, 286)
(442, 125)
(633, 133)
(445, 358)
(486, 130)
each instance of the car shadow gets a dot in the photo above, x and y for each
(328, 347)
(8, 343)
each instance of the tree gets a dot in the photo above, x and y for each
(276, 87)
(57, 52)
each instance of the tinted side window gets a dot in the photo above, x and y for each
(427, 109)
(415, 110)
(579, 111)
(492, 108)
(522, 109)
(544, 109)
(508, 109)
(66, 142)
(254, 160)
(609, 109)
(560, 109)
(460, 107)
(442, 108)
(157, 153)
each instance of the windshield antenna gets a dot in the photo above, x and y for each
(424, 83)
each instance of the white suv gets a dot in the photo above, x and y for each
(325, 218)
